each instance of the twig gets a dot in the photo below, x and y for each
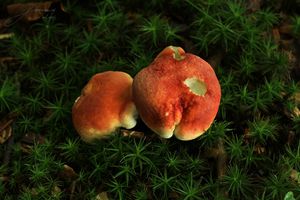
(9, 145)
(219, 154)
(73, 186)
(220, 157)
(7, 59)
(134, 134)
(6, 35)
(6, 124)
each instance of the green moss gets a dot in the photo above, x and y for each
(247, 153)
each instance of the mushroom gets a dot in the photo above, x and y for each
(178, 93)
(104, 105)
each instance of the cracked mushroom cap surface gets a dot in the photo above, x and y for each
(177, 94)
(104, 105)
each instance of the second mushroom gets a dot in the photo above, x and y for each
(178, 93)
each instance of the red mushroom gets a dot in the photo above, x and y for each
(178, 93)
(104, 105)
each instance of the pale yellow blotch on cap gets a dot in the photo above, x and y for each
(196, 86)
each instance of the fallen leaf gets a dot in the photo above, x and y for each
(5, 127)
(295, 111)
(5, 23)
(56, 191)
(30, 138)
(174, 195)
(102, 196)
(5, 134)
(7, 59)
(6, 36)
(246, 135)
(29, 11)
(295, 176)
(134, 134)
(259, 149)
(68, 173)
(25, 148)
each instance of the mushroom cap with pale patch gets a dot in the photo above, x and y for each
(178, 93)
(104, 105)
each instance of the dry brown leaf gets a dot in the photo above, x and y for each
(29, 11)
(55, 191)
(295, 176)
(259, 149)
(246, 135)
(68, 173)
(28, 141)
(174, 195)
(5, 134)
(6, 35)
(296, 98)
(30, 138)
(5, 23)
(134, 134)
(296, 112)
(5, 128)
(7, 59)
(25, 148)
(102, 196)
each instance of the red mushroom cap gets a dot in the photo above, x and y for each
(178, 93)
(104, 105)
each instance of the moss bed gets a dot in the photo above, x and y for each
(48, 52)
